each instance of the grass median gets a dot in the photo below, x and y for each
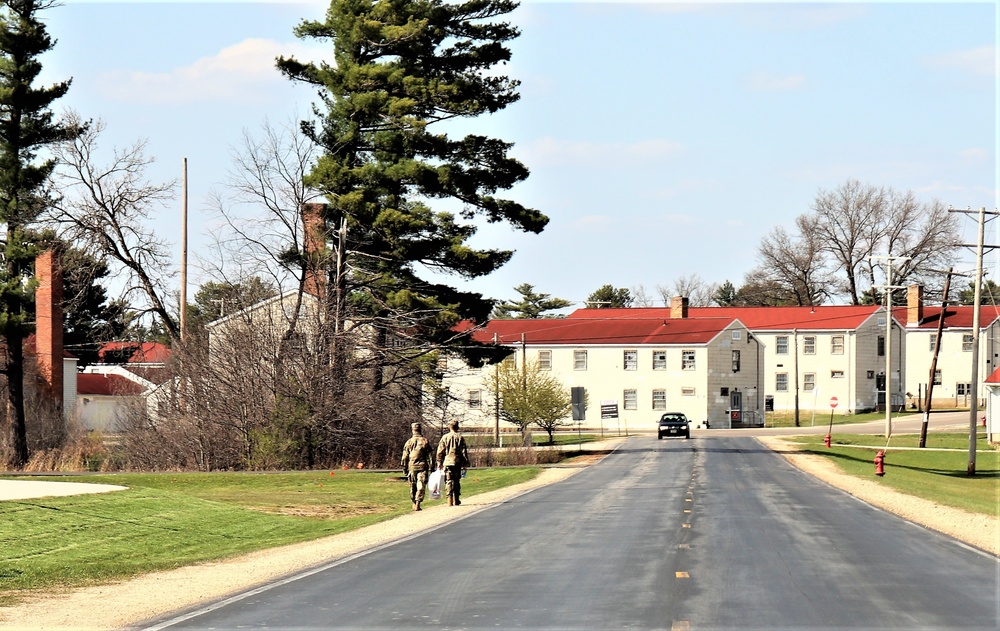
(938, 472)
(169, 520)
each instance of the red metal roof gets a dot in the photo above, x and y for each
(828, 317)
(994, 377)
(956, 317)
(143, 353)
(609, 331)
(109, 384)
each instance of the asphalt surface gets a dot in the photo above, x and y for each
(713, 533)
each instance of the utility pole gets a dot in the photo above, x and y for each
(934, 358)
(887, 293)
(977, 301)
(184, 253)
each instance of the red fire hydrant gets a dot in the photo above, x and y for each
(880, 463)
(826, 441)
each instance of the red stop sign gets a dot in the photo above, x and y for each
(833, 402)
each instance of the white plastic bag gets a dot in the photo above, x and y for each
(434, 481)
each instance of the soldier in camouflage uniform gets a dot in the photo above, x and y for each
(453, 456)
(417, 464)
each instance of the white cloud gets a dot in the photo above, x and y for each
(767, 82)
(552, 152)
(981, 61)
(238, 73)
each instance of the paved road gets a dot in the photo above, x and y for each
(703, 534)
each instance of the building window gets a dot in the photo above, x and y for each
(967, 341)
(659, 399)
(737, 335)
(933, 338)
(836, 374)
(630, 400)
(809, 381)
(937, 377)
(579, 360)
(631, 360)
(687, 391)
(781, 382)
(881, 321)
(659, 360)
(475, 399)
(544, 360)
(442, 364)
(687, 360)
(880, 346)
(781, 345)
(736, 361)
(510, 360)
(837, 345)
(809, 345)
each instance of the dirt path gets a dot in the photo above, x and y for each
(125, 604)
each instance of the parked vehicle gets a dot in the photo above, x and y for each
(673, 424)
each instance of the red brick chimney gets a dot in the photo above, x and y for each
(914, 305)
(678, 308)
(314, 244)
(49, 321)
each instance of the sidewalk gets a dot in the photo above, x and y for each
(31, 489)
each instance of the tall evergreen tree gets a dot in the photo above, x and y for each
(609, 297)
(401, 70)
(26, 127)
(531, 305)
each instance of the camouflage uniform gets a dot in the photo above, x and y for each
(417, 463)
(453, 456)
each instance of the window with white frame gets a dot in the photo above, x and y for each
(579, 360)
(630, 399)
(737, 335)
(963, 389)
(736, 361)
(659, 399)
(475, 399)
(809, 381)
(442, 363)
(781, 345)
(933, 339)
(687, 360)
(836, 374)
(687, 391)
(937, 377)
(781, 382)
(809, 345)
(659, 360)
(544, 360)
(880, 346)
(967, 341)
(837, 345)
(631, 360)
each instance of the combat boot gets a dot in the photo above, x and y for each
(416, 506)
(451, 500)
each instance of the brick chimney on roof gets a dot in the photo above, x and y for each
(314, 244)
(914, 305)
(678, 307)
(49, 321)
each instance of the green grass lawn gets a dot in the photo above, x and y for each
(174, 519)
(938, 476)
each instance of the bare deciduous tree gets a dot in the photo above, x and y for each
(793, 264)
(859, 221)
(106, 210)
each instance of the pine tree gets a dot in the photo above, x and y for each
(401, 70)
(26, 127)
(531, 305)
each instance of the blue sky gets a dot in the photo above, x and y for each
(664, 139)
